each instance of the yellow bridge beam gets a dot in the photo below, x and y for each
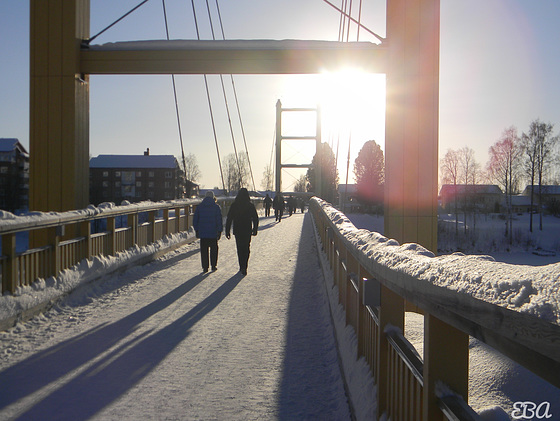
(230, 57)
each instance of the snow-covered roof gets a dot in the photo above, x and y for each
(472, 188)
(520, 200)
(9, 144)
(133, 161)
(347, 188)
(546, 189)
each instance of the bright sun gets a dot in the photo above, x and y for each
(352, 106)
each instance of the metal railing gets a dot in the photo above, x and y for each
(376, 294)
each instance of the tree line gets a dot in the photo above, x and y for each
(369, 169)
(530, 158)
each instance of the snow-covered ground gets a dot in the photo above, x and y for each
(486, 235)
(164, 341)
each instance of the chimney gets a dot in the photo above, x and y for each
(147, 152)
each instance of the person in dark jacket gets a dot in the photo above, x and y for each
(208, 225)
(278, 205)
(267, 205)
(245, 221)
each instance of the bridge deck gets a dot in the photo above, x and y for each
(168, 342)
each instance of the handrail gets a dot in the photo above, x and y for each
(415, 276)
(59, 250)
(41, 220)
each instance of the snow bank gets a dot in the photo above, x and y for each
(360, 384)
(41, 294)
(526, 289)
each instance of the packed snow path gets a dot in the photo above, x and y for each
(166, 341)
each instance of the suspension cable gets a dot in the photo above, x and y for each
(240, 172)
(342, 20)
(270, 166)
(175, 97)
(209, 104)
(359, 21)
(237, 102)
(365, 28)
(115, 22)
(349, 21)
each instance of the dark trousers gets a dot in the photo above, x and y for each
(243, 243)
(209, 245)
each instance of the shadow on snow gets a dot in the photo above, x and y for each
(311, 386)
(105, 380)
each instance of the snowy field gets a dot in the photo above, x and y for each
(488, 238)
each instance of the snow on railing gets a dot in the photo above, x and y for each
(61, 240)
(515, 309)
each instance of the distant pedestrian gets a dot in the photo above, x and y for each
(208, 225)
(267, 204)
(245, 221)
(278, 205)
(291, 205)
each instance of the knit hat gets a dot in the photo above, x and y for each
(210, 193)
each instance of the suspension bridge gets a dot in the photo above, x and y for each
(128, 363)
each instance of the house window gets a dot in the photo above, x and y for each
(168, 195)
(167, 174)
(105, 173)
(117, 173)
(138, 173)
(117, 183)
(128, 177)
(105, 184)
(4, 170)
(138, 184)
(167, 184)
(151, 184)
(151, 174)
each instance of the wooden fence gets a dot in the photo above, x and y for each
(69, 237)
(375, 297)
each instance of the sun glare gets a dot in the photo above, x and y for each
(352, 106)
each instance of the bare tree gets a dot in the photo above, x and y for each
(192, 171)
(449, 166)
(236, 171)
(267, 182)
(301, 184)
(538, 145)
(467, 170)
(503, 168)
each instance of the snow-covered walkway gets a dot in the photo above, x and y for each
(165, 341)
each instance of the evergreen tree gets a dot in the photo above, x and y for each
(369, 170)
(324, 167)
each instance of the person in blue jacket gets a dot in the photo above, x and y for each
(208, 225)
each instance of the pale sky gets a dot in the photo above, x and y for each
(499, 66)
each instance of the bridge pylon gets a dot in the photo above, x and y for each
(279, 138)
